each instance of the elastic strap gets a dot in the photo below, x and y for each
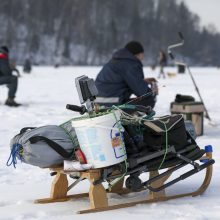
(166, 147)
(60, 150)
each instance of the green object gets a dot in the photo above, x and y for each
(166, 146)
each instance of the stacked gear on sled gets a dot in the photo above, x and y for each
(117, 144)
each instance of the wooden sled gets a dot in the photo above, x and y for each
(98, 194)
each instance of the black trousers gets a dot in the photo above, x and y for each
(11, 82)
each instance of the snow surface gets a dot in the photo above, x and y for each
(44, 93)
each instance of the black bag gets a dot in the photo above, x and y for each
(184, 98)
(156, 130)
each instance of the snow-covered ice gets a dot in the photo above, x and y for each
(44, 93)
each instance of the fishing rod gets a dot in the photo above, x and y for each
(189, 71)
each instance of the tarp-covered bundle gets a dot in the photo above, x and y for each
(45, 146)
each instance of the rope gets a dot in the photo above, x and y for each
(134, 119)
(69, 133)
(111, 184)
(16, 151)
(115, 181)
(166, 145)
(120, 131)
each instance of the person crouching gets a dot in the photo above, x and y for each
(123, 76)
(6, 77)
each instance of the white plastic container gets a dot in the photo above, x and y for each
(100, 139)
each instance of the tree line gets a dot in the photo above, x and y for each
(86, 32)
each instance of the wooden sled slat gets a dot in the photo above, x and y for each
(66, 198)
(98, 195)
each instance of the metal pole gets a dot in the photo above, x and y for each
(188, 69)
(197, 90)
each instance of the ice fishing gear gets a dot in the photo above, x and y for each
(113, 145)
(189, 71)
(44, 146)
(184, 98)
(158, 146)
(191, 110)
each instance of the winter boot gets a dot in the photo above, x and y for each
(11, 102)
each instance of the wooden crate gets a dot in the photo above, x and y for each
(193, 111)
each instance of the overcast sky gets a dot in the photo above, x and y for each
(208, 10)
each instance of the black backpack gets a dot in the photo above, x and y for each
(167, 130)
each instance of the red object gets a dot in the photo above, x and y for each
(3, 56)
(80, 156)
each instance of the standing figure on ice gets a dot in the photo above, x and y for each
(162, 62)
(7, 78)
(27, 66)
(123, 76)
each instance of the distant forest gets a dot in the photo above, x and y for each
(87, 32)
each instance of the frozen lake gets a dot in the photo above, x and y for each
(45, 93)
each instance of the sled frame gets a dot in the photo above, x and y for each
(98, 194)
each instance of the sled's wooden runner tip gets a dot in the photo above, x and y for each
(98, 195)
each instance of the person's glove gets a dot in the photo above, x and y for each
(153, 85)
(150, 80)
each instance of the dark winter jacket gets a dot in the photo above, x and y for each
(5, 69)
(119, 78)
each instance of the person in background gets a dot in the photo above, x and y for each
(162, 62)
(123, 76)
(6, 77)
(27, 66)
(14, 68)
